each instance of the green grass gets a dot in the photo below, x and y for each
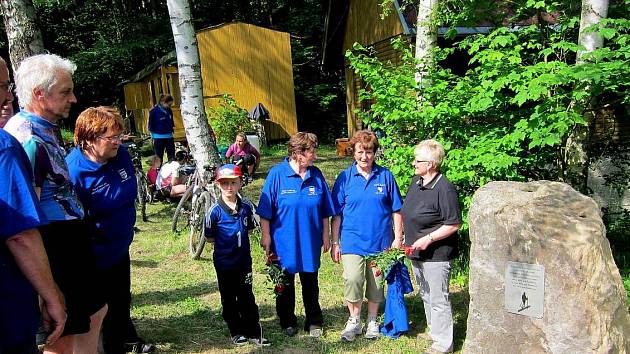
(176, 302)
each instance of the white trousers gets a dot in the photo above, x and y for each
(432, 279)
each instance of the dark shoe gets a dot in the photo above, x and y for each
(289, 331)
(261, 342)
(139, 347)
(239, 340)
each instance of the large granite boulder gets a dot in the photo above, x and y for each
(549, 224)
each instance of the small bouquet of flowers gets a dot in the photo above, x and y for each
(275, 275)
(381, 263)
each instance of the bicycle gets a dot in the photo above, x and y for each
(143, 194)
(240, 162)
(191, 210)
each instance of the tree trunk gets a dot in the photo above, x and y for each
(576, 157)
(198, 131)
(25, 38)
(426, 40)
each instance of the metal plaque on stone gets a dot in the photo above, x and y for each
(525, 289)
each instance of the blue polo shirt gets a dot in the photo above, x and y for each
(19, 211)
(230, 230)
(295, 209)
(366, 207)
(108, 193)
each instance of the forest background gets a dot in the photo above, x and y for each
(111, 40)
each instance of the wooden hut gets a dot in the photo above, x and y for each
(251, 63)
(350, 21)
(359, 21)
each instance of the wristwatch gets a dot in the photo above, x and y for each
(334, 242)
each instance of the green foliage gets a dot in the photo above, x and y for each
(109, 42)
(67, 135)
(228, 119)
(618, 233)
(508, 116)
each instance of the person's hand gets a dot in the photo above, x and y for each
(265, 242)
(396, 244)
(326, 246)
(422, 243)
(53, 317)
(335, 253)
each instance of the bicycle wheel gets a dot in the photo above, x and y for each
(181, 217)
(197, 239)
(142, 196)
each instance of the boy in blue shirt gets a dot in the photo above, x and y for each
(227, 224)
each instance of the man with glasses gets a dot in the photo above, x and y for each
(45, 89)
(25, 268)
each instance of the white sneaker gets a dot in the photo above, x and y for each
(372, 331)
(353, 327)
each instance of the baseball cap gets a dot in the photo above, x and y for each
(228, 171)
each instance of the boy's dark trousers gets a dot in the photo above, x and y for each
(240, 311)
(285, 302)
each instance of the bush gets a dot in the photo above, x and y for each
(228, 119)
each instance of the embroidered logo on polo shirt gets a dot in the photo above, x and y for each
(380, 188)
(311, 190)
(288, 191)
(123, 174)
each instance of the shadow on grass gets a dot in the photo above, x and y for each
(459, 303)
(205, 331)
(174, 295)
(144, 263)
(164, 210)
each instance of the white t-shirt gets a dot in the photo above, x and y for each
(168, 171)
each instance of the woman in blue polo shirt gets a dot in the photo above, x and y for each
(103, 175)
(294, 208)
(367, 207)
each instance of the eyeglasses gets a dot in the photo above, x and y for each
(8, 86)
(117, 137)
(419, 161)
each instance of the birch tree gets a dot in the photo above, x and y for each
(426, 39)
(577, 151)
(198, 131)
(25, 38)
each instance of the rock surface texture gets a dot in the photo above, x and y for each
(551, 224)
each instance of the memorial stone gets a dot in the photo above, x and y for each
(545, 239)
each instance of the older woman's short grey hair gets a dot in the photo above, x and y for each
(39, 71)
(430, 150)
